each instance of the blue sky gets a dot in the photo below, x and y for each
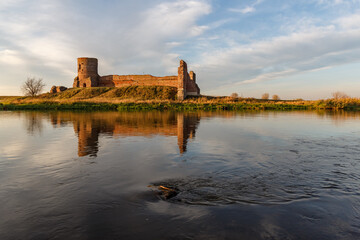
(296, 49)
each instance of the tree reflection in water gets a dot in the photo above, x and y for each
(34, 123)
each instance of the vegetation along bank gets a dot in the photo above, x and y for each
(159, 98)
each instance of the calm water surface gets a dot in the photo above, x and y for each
(246, 175)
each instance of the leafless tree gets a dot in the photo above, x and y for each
(234, 95)
(339, 95)
(265, 96)
(33, 86)
(275, 97)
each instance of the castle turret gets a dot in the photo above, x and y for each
(87, 73)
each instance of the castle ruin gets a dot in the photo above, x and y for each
(88, 76)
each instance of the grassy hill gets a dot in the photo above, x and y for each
(131, 92)
(99, 94)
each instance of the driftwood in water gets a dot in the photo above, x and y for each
(163, 192)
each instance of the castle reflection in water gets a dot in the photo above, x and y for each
(89, 126)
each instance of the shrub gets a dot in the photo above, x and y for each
(234, 95)
(275, 97)
(265, 96)
(339, 95)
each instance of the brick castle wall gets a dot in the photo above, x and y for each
(137, 80)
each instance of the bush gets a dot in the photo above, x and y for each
(339, 95)
(265, 96)
(234, 95)
(275, 97)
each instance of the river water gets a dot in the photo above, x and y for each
(236, 175)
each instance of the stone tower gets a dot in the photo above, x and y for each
(182, 75)
(87, 73)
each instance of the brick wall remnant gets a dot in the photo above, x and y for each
(192, 76)
(191, 87)
(57, 89)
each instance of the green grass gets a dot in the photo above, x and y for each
(160, 106)
(149, 106)
(207, 106)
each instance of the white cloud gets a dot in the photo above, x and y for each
(47, 37)
(331, 2)
(318, 47)
(337, 3)
(245, 10)
(163, 27)
(10, 57)
(175, 19)
(349, 22)
(43, 39)
(30, 33)
(270, 75)
(9, 3)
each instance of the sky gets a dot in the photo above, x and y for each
(293, 48)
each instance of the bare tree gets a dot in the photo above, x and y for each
(32, 86)
(275, 97)
(265, 96)
(339, 95)
(234, 95)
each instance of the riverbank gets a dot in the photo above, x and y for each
(189, 104)
(160, 98)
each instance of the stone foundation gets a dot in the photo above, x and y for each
(57, 89)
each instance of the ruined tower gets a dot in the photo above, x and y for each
(182, 77)
(87, 73)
